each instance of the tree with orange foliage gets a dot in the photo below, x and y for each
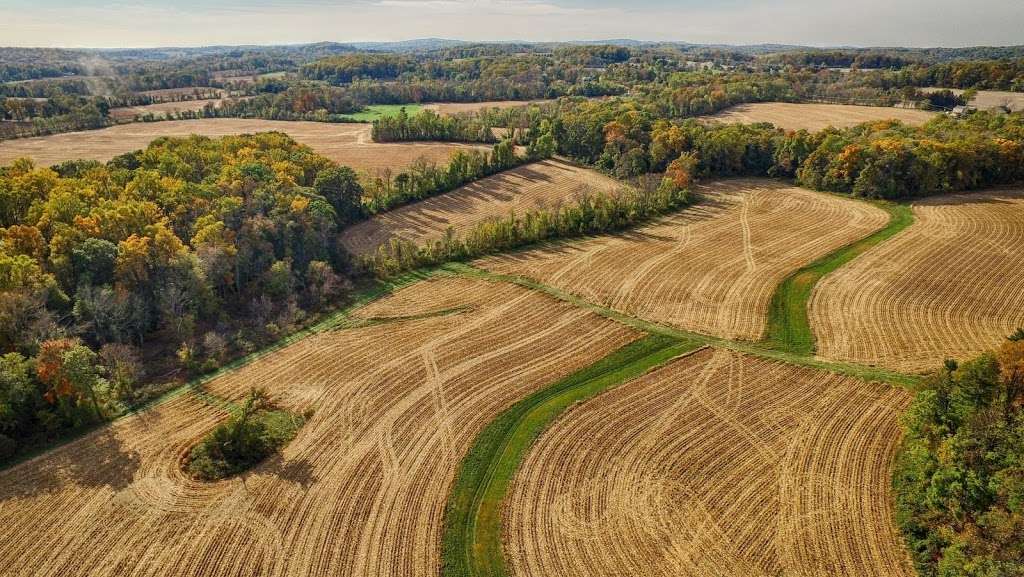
(69, 371)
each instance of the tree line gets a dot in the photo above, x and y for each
(875, 160)
(428, 125)
(959, 479)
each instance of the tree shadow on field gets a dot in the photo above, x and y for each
(94, 461)
(299, 471)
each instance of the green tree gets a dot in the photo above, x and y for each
(340, 186)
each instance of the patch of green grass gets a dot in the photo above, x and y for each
(789, 329)
(472, 544)
(375, 111)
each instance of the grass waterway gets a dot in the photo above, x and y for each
(472, 542)
(789, 328)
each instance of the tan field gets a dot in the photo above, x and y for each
(535, 186)
(460, 107)
(360, 492)
(717, 465)
(711, 268)
(177, 92)
(159, 109)
(989, 99)
(814, 117)
(347, 144)
(949, 286)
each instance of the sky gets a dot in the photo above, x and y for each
(150, 23)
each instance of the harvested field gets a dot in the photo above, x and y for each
(534, 186)
(815, 117)
(949, 286)
(460, 107)
(172, 93)
(718, 464)
(711, 268)
(159, 109)
(360, 492)
(347, 144)
(989, 99)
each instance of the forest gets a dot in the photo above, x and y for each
(193, 250)
(960, 474)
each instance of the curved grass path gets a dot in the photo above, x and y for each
(472, 542)
(788, 328)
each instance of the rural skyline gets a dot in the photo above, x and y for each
(150, 23)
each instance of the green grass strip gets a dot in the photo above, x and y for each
(867, 373)
(472, 542)
(789, 329)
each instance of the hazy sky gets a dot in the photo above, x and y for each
(90, 23)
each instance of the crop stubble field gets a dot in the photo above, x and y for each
(711, 268)
(814, 117)
(348, 144)
(360, 491)
(990, 99)
(718, 464)
(949, 286)
(160, 108)
(544, 184)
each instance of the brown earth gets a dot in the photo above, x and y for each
(348, 144)
(159, 109)
(534, 186)
(360, 492)
(990, 99)
(949, 286)
(814, 117)
(717, 465)
(711, 268)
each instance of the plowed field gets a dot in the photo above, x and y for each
(535, 186)
(711, 268)
(716, 465)
(813, 117)
(360, 492)
(949, 286)
(347, 144)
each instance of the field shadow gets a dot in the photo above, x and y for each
(299, 472)
(97, 460)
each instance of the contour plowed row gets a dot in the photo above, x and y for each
(951, 285)
(347, 144)
(535, 186)
(360, 492)
(814, 117)
(718, 464)
(711, 268)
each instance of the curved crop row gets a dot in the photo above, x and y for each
(718, 464)
(711, 268)
(360, 491)
(950, 285)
